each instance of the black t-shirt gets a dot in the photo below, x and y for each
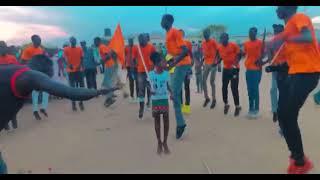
(10, 101)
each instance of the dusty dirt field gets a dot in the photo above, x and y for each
(101, 140)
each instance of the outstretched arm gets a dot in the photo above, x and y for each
(33, 80)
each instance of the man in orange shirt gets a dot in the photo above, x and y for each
(146, 50)
(32, 50)
(303, 60)
(5, 57)
(176, 47)
(252, 50)
(186, 106)
(209, 50)
(74, 59)
(230, 55)
(316, 96)
(131, 53)
(27, 54)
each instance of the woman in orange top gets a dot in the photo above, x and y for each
(303, 59)
(230, 54)
(252, 50)
(146, 50)
(177, 48)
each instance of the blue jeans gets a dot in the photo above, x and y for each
(317, 97)
(176, 84)
(3, 166)
(253, 78)
(108, 80)
(274, 92)
(35, 100)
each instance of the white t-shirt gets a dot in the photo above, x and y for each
(159, 83)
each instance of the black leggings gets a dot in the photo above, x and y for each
(293, 95)
(76, 80)
(91, 78)
(132, 76)
(186, 91)
(233, 76)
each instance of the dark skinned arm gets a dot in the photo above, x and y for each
(178, 58)
(34, 80)
(304, 36)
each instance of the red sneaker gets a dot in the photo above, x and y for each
(293, 169)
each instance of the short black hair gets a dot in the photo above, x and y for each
(254, 28)
(155, 58)
(34, 36)
(168, 17)
(41, 63)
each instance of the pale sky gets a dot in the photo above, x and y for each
(55, 24)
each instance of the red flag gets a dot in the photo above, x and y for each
(117, 44)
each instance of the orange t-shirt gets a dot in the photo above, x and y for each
(31, 51)
(301, 57)
(130, 51)
(281, 58)
(209, 50)
(229, 55)
(252, 49)
(103, 50)
(146, 53)
(8, 59)
(174, 42)
(73, 56)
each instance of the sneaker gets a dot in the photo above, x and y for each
(74, 107)
(250, 115)
(255, 114)
(81, 106)
(180, 131)
(206, 102)
(280, 132)
(140, 117)
(213, 104)
(183, 109)
(109, 102)
(36, 115)
(187, 109)
(43, 111)
(226, 109)
(275, 117)
(237, 111)
(148, 108)
(294, 169)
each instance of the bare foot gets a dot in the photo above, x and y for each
(166, 148)
(159, 151)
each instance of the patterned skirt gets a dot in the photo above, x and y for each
(160, 106)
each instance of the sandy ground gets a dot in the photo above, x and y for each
(112, 140)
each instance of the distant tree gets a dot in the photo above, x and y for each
(216, 30)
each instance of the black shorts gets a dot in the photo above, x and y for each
(76, 77)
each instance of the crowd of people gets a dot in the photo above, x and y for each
(157, 74)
